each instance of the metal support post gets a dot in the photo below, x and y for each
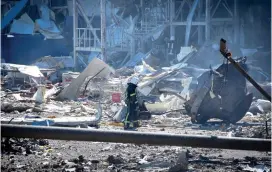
(60, 133)
(103, 29)
(75, 17)
(189, 22)
(236, 23)
(200, 28)
(208, 20)
(172, 16)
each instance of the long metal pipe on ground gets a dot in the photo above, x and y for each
(60, 133)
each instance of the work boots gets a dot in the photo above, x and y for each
(131, 125)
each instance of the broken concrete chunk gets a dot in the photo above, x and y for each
(181, 164)
(260, 106)
(39, 96)
(115, 159)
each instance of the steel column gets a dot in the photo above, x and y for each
(59, 133)
(189, 22)
(172, 16)
(208, 20)
(75, 17)
(103, 29)
(200, 28)
(236, 23)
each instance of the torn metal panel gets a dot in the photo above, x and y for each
(121, 114)
(95, 68)
(46, 26)
(147, 80)
(24, 25)
(135, 60)
(175, 67)
(221, 96)
(185, 51)
(33, 71)
(146, 90)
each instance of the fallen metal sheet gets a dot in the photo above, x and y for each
(147, 80)
(95, 68)
(194, 71)
(46, 26)
(176, 66)
(24, 25)
(121, 114)
(222, 96)
(63, 121)
(148, 67)
(33, 71)
(146, 90)
(136, 59)
(94, 135)
(185, 51)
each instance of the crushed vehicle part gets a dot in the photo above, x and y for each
(220, 94)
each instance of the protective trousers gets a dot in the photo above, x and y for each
(131, 119)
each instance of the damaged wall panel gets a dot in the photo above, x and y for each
(95, 66)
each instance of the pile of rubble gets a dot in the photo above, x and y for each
(94, 98)
(46, 97)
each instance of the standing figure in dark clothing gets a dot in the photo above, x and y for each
(131, 119)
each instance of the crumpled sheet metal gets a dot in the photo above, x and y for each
(33, 71)
(24, 25)
(46, 26)
(95, 68)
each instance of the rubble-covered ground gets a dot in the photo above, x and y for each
(54, 155)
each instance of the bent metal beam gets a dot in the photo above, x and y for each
(59, 133)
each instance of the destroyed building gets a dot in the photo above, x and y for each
(204, 68)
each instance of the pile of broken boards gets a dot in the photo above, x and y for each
(51, 104)
(203, 94)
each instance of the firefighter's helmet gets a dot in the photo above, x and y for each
(134, 80)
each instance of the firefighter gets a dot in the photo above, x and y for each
(131, 119)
